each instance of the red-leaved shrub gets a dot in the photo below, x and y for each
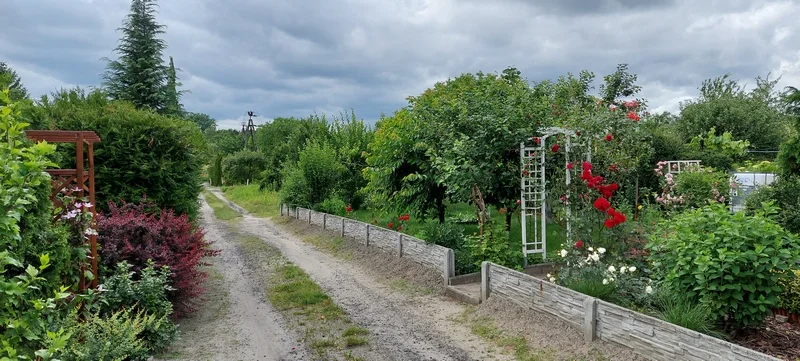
(133, 233)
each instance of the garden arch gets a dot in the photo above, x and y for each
(81, 178)
(533, 197)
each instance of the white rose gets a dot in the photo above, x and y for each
(552, 280)
(631, 269)
(648, 289)
(612, 269)
(601, 250)
(595, 257)
(622, 269)
(605, 281)
(549, 276)
(564, 253)
(591, 249)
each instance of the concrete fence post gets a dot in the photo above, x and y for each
(399, 244)
(343, 227)
(281, 205)
(449, 266)
(296, 212)
(590, 319)
(485, 286)
(324, 220)
(309, 216)
(367, 241)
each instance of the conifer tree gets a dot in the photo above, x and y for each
(139, 74)
(172, 106)
(10, 79)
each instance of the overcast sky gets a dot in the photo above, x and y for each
(295, 57)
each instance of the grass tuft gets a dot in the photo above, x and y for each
(355, 331)
(221, 210)
(354, 341)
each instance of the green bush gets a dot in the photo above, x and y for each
(790, 297)
(333, 205)
(215, 170)
(112, 338)
(788, 159)
(443, 234)
(148, 294)
(493, 246)
(732, 263)
(313, 178)
(243, 166)
(784, 193)
(141, 153)
(701, 187)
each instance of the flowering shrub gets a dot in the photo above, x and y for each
(692, 188)
(129, 233)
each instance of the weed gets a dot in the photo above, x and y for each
(355, 331)
(353, 341)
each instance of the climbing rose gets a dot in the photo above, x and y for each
(631, 104)
(579, 244)
(609, 137)
(602, 204)
(587, 166)
(569, 166)
(555, 148)
(633, 116)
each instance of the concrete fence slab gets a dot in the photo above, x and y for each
(597, 319)
(432, 256)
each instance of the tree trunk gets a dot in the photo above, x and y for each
(440, 209)
(477, 198)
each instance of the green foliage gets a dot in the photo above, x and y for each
(24, 317)
(172, 97)
(732, 263)
(763, 166)
(723, 144)
(351, 137)
(283, 139)
(443, 234)
(9, 79)
(784, 193)
(215, 171)
(139, 74)
(399, 172)
(725, 105)
(334, 205)
(204, 121)
(788, 159)
(677, 309)
(589, 281)
(140, 153)
(243, 166)
(790, 297)
(224, 141)
(115, 337)
(148, 295)
(313, 178)
(494, 246)
(701, 187)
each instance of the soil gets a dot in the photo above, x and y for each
(779, 339)
(234, 322)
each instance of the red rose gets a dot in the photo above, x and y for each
(569, 166)
(602, 204)
(609, 137)
(390, 225)
(579, 244)
(555, 148)
(609, 223)
(348, 209)
(519, 201)
(587, 166)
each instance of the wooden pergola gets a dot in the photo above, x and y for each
(74, 181)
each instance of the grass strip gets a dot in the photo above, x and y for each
(258, 203)
(221, 210)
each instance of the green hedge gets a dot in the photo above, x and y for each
(140, 154)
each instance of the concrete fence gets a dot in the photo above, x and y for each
(597, 319)
(402, 245)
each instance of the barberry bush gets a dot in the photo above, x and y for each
(135, 234)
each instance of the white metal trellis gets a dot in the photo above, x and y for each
(534, 190)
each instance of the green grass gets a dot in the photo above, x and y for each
(514, 345)
(258, 203)
(293, 289)
(354, 341)
(221, 210)
(355, 331)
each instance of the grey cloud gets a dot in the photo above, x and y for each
(282, 58)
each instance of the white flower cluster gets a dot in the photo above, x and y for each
(551, 278)
(612, 271)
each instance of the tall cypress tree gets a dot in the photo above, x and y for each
(10, 79)
(172, 96)
(139, 75)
